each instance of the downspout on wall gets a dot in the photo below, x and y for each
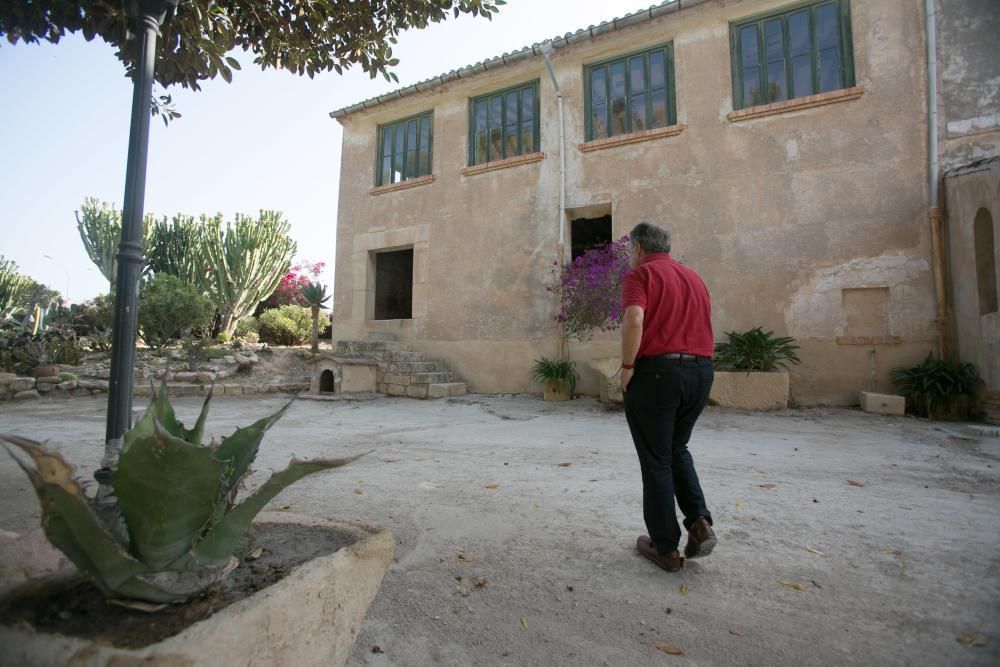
(547, 51)
(934, 211)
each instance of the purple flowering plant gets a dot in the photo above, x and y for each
(589, 290)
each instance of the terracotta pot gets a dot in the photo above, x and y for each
(555, 390)
(46, 370)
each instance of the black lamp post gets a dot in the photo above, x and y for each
(146, 17)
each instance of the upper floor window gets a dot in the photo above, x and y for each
(404, 149)
(631, 93)
(794, 53)
(503, 124)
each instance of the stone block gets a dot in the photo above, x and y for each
(231, 389)
(883, 404)
(205, 377)
(5, 378)
(22, 384)
(397, 378)
(27, 395)
(251, 389)
(81, 392)
(45, 387)
(417, 391)
(186, 377)
(93, 384)
(750, 391)
(50, 379)
(67, 385)
(395, 389)
(182, 390)
(142, 390)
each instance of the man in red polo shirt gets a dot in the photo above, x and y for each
(666, 375)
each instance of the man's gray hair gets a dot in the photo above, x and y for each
(650, 237)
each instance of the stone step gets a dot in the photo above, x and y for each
(381, 336)
(402, 356)
(369, 346)
(429, 378)
(417, 367)
(445, 389)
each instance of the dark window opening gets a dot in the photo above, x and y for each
(394, 285)
(986, 265)
(326, 382)
(587, 233)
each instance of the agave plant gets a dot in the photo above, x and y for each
(176, 523)
(315, 295)
(755, 350)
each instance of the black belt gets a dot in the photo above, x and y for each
(680, 356)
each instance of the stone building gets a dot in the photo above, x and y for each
(784, 144)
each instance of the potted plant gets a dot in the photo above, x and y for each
(169, 534)
(752, 370)
(557, 376)
(940, 389)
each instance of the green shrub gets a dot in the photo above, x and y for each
(66, 351)
(67, 377)
(247, 325)
(939, 389)
(561, 370)
(94, 317)
(213, 353)
(755, 350)
(288, 325)
(223, 337)
(169, 308)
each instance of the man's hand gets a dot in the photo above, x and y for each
(625, 377)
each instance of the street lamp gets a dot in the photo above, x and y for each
(145, 18)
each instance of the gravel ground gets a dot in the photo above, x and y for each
(516, 523)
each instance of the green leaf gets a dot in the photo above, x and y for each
(238, 451)
(168, 490)
(218, 544)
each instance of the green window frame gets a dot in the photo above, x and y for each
(504, 124)
(405, 149)
(805, 50)
(630, 93)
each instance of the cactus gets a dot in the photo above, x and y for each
(100, 230)
(176, 523)
(12, 286)
(315, 295)
(175, 247)
(245, 262)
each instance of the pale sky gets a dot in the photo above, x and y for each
(264, 141)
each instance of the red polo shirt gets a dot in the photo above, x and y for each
(677, 309)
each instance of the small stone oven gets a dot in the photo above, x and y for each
(336, 375)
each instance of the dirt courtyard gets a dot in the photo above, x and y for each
(516, 523)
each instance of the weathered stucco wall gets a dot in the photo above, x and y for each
(810, 222)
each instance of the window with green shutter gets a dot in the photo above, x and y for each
(404, 149)
(631, 93)
(503, 124)
(797, 52)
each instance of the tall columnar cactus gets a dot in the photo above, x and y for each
(100, 227)
(175, 247)
(246, 260)
(12, 286)
(315, 295)
(176, 524)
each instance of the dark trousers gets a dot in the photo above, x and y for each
(662, 403)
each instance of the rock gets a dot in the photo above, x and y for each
(27, 395)
(67, 385)
(103, 373)
(6, 378)
(222, 375)
(230, 359)
(22, 384)
(81, 392)
(49, 379)
(45, 386)
(93, 384)
(185, 377)
(205, 377)
(248, 358)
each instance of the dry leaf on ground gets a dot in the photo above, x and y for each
(739, 505)
(972, 639)
(892, 552)
(669, 648)
(480, 582)
(769, 485)
(524, 622)
(815, 551)
(684, 589)
(792, 584)
(427, 484)
(565, 465)
(855, 483)
(255, 554)
(391, 460)
(359, 491)
(462, 558)
(492, 485)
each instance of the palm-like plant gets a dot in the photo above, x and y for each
(315, 295)
(176, 523)
(755, 350)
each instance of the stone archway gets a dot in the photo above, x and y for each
(327, 382)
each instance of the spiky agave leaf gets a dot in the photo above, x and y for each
(216, 547)
(168, 489)
(161, 411)
(239, 450)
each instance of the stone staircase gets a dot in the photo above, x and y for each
(400, 371)
(992, 406)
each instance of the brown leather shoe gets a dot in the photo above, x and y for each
(701, 539)
(670, 562)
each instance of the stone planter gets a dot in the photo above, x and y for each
(555, 390)
(609, 370)
(750, 391)
(310, 617)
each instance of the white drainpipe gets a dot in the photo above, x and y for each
(547, 51)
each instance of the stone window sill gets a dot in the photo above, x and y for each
(797, 104)
(503, 164)
(634, 137)
(402, 185)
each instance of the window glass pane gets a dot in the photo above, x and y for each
(411, 163)
(638, 113)
(481, 155)
(637, 74)
(425, 146)
(425, 163)
(527, 103)
(802, 80)
(774, 40)
(618, 79)
(829, 70)
(511, 108)
(496, 144)
(618, 119)
(399, 142)
(386, 141)
(748, 46)
(798, 33)
(527, 137)
(496, 112)
(751, 87)
(598, 85)
(659, 101)
(827, 27)
(386, 176)
(657, 70)
(600, 121)
(511, 143)
(776, 82)
(481, 116)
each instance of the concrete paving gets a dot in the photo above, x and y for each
(516, 522)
